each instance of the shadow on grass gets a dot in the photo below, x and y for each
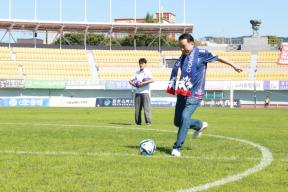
(166, 150)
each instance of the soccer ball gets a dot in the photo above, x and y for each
(147, 147)
(136, 82)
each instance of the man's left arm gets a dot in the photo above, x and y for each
(150, 79)
(147, 82)
(211, 58)
(236, 68)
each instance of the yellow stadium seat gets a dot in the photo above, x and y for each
(52, 63)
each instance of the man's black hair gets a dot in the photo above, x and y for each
(142, 60)
(186, 36)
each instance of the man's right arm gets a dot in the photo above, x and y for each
(131, 82)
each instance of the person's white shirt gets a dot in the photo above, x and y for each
(139, 76)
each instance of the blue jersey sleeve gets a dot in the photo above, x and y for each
(210, 58)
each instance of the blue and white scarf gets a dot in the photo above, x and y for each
(188, 71)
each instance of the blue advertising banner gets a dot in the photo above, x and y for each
(266, 85)
(24, 102)
(128, 102)
(114, 102)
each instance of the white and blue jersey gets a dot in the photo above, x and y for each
(198, 88)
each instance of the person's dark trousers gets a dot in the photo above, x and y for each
(142, 101)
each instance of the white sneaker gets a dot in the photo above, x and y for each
(198, 134)
(176, 153)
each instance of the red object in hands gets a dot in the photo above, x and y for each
(183, 92)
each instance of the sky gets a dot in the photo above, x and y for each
(210, 18)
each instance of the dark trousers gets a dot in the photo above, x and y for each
(142, 101)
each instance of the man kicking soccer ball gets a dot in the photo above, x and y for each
(190, 88)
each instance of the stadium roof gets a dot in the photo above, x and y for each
(58, 26)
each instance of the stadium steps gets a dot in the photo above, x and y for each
(8, 67)
(19, 67)
(92, 64)
(253, 68)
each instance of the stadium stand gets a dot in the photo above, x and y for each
(53, 64)
(72, 64)
(268, 56)
(268, 60)
(8, 67)
(267, 67)
(129, 58)
(274, 75)
(241, 58)
(226, 75)
(122, 64)
(219, 71)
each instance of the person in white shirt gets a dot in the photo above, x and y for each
(141, 81)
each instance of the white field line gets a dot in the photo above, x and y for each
(265, 160)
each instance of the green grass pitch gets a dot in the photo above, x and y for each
(83, 150)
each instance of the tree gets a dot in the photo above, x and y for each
(150, 19)
(78, 39)
(95, 39)
(148, 40)
(143, 40)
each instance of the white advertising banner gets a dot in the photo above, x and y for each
(273, 85)
(72, 102)
(94, 84)
(159, 85)
(248, 85)
(217, 85)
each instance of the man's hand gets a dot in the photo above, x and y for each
(141, 84)
(132, 83)
(146, 82)
(238, 70)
